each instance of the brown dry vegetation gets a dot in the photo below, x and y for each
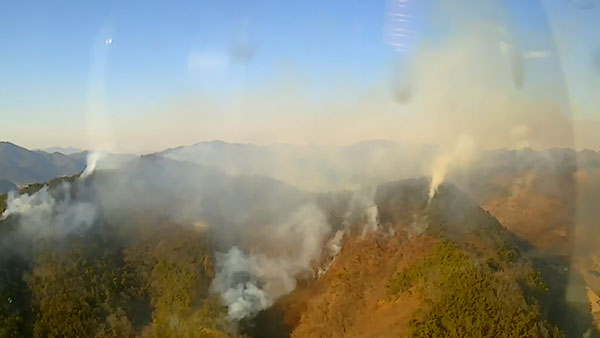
(532, 194)
(352, 299)
(544, 221)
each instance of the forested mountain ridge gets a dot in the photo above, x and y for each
(145, 275)
(132, 269)
(148, 242)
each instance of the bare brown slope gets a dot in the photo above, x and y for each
(354, 301)
(351, 299)
(544, 220)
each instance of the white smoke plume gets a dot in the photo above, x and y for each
(418, 226)
(92, 162)
(372, 219)
(44, 215)
(39, 203)
(362, 211)
(237, 279)
(251, 282)
(460, 155)
(334, 246)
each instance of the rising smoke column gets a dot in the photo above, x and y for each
(92, 161)
(334, 247)
(362, 211)
(239, 280)
(55, 213)
(249, 282)
(460, 155)
(42, 214)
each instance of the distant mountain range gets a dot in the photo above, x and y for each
(63, 150)
(312, 168)
(20, 166)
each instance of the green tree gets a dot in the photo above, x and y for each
(74, 289)
(466, 299)
(175, 268)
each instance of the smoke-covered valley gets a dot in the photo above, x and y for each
(263, 234)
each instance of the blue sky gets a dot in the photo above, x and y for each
(56, 60)
(49, 43)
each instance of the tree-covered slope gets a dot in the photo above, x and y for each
(144, 264)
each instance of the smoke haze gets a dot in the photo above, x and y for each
(481, 78)
(265, 233)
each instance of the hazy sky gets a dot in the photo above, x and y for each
(146, 75)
